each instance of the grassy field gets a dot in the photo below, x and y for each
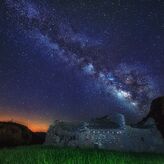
(52, 155)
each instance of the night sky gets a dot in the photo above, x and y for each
(79, 59)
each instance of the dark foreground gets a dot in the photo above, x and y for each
(52, 155)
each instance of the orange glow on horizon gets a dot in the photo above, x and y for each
(38, 127)
(33, 124)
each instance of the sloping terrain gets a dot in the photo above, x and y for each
(14, 134)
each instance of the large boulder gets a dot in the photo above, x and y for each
(157, 113)
(62, 134)
(104, 133)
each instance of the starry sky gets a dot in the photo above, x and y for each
(75, 60)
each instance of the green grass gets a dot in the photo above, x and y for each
(52, 155)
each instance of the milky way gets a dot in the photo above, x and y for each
(130, 84)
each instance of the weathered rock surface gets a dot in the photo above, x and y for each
(104, 133)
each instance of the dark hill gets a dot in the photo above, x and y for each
(157, 113)
(14, 134)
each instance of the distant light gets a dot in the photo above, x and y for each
(110, 77)
(123, 94)
(119, 94)
(89, 69)
(134, 103)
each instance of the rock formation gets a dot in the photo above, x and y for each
(157, 113)
(105, 133)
